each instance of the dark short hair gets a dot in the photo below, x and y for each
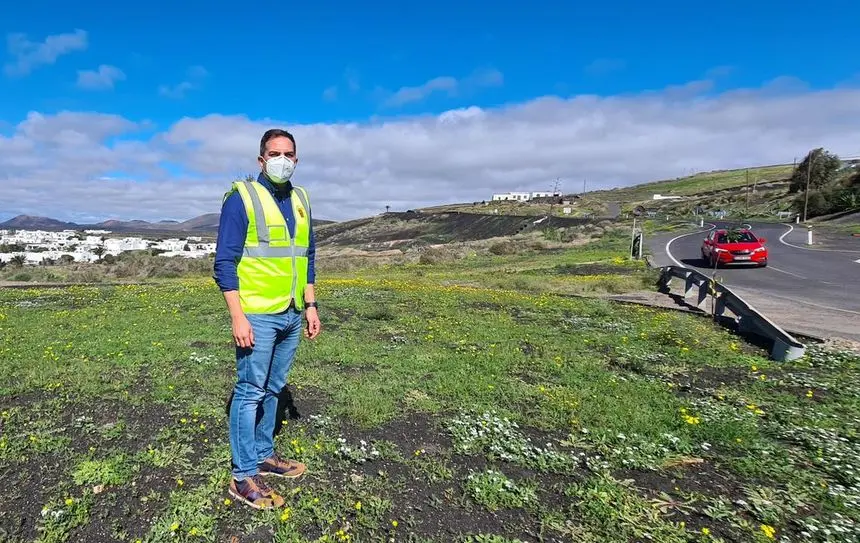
(274, 133)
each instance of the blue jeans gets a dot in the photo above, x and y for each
(261, 375)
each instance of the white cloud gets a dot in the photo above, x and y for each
(447, 84)
(29, 55)
(102, 79)
(194, 79)
(52, 164)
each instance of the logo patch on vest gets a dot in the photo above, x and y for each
(301, 212)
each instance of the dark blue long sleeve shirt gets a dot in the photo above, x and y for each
(233, 227)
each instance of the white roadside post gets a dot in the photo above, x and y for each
(809, 235)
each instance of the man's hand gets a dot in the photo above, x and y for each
(314, 325)
(243, 334)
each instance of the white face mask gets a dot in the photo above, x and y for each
(280, 169)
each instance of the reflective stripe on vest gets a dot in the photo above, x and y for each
(275, 252)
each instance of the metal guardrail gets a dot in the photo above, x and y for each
(785, 346)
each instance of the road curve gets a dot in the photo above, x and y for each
(808, 282)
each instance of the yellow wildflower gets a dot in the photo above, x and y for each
(768, 531)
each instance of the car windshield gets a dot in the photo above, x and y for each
(735, 237)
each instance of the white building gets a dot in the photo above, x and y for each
(515, 196)
(116, 246)
(172, 244)
(661, 197)
(39, 246)
(544, 194)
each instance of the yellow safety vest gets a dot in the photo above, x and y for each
(273, 268)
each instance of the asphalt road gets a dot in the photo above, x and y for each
(811, 277)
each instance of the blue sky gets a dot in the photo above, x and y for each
(331, 63)
(303, 48)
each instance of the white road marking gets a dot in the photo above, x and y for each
(857, 261)
(769, 267)
(791, 229)
(813, 304)
(671, 241)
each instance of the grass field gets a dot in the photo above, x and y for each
(450, 401)
(698, 184)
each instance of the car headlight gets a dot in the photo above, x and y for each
(759, 249)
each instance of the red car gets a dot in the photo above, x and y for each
(734, 247)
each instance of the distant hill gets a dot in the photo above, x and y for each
(406, 229)
(700, 184)
(29, 222)
(204, 224)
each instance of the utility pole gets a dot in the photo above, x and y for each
(808, 177)
(555, 190)
(747, 211)
(583, 186)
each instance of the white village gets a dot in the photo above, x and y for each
(40, 247)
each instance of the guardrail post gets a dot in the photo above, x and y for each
(719, 304)
(665, 280)
(704, 290)
(689, 283)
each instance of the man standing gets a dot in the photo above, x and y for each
(264, 265)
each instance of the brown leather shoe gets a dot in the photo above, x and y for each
(254, 491)
(277, 466)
